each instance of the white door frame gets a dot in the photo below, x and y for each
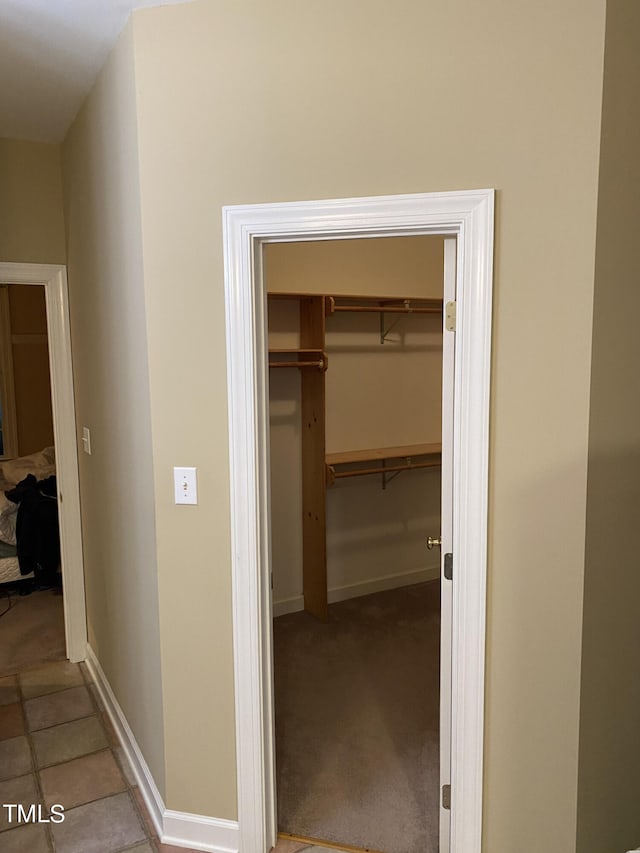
(54, 279)
(469, 217)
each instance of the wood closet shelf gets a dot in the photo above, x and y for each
(378, 305)
(388, 459)
(334, 303)
(380, 453)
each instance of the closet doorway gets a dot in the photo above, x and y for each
(356, 333)
(50, 282)
(465, 220)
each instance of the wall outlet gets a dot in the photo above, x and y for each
(185, 485)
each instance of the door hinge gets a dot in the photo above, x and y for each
(448, 566)
(450, 316)
(271, 576)
(446, 797)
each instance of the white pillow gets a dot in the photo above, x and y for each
(8, 517)
(41, 464)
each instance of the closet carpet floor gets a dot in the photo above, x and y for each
(32, 631)
(357, 721)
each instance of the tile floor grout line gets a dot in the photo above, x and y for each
(34, 762)
(95, 799)
(50, 694)
(72, 720)
(67, 760)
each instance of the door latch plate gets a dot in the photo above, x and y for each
(448, 566)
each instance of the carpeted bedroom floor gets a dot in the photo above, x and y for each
(357, 721)
(32, 631)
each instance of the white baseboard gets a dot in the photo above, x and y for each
(355, 590)
(288, 605)
(182, 829)
(148, 789)
(198, 832)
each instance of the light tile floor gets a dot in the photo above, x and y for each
(57, 746)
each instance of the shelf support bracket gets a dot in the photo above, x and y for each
(384, 333)
(389, 478)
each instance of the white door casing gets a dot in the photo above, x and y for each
(468, 217)
(54, 279)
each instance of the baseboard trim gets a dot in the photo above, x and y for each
(148, 788)
(355, 590)
(214, 835)
(288, 605)
(181, 829)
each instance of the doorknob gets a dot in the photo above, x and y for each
(431, 542)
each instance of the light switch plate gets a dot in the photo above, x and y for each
(185, 485)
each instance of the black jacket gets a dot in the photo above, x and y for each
(37, 531)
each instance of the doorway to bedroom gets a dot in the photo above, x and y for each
(50, 335)
(31, 590)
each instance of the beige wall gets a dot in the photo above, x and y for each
(385, 266)
(112, 397)
(31, 215)
(245, 103)
(608, 813)
(376, 396)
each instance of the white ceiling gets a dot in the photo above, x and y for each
(50, 54)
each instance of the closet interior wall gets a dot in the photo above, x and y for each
(28, 389)
(376, 395)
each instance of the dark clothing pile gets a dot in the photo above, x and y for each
(37, 531)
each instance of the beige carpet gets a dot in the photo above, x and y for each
(32, 632)
(357, 721)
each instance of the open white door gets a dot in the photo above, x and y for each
(446, 542)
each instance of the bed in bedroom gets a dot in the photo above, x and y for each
(27, 526)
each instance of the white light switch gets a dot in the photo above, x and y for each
(86, 440)
(185, 485)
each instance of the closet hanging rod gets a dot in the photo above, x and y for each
(295, 351)
(321, 365)
(307, 357)
(332, 474)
